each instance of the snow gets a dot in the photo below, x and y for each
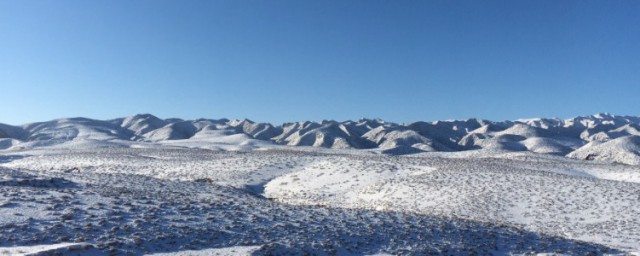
(50, 249)
(487, 190)
(144, 185)
(600, 137)
(621, 150)
(259, 198)
(234, 250)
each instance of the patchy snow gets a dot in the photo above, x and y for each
(50, 249)
(234, 250)
(144, 185)
(566, 198)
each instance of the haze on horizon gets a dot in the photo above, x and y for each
(279, 61)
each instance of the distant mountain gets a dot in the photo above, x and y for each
(602, 137)
(141, 124)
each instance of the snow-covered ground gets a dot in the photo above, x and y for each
(159, 198)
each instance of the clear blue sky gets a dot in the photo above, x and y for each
(310, 60)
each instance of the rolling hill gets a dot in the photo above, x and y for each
(602, 137)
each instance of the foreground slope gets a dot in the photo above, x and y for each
(147, 200)
(162, 198)
(588, 202)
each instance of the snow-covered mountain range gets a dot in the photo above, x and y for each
(603, 137)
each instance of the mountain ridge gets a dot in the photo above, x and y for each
(601, 136)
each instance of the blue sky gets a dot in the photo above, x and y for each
(283, 61)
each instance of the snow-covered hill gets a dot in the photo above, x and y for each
(601, 137)
(623, 150)
(553, 196)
